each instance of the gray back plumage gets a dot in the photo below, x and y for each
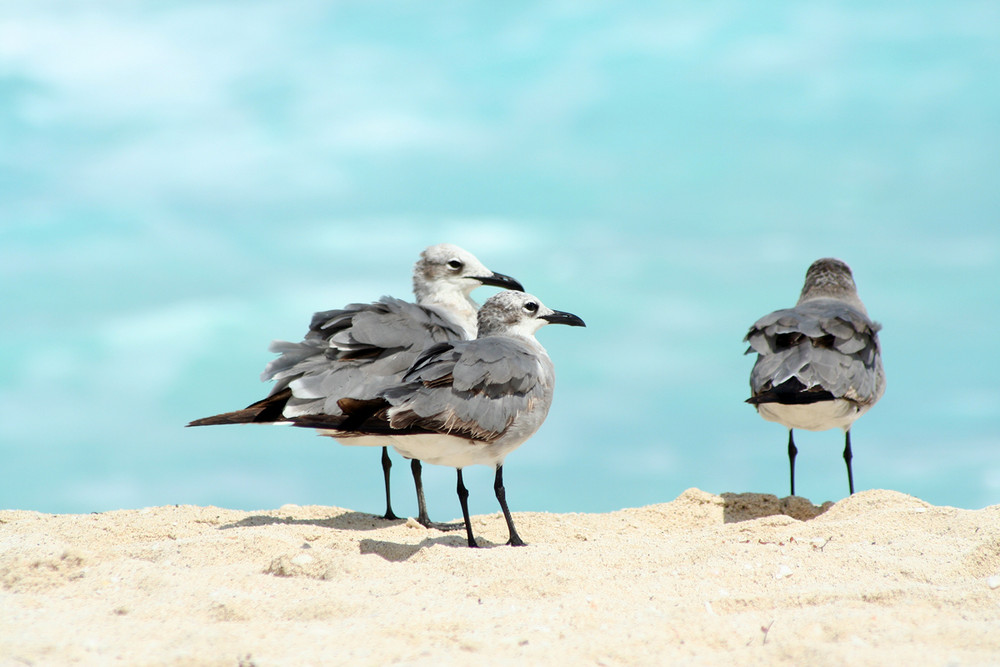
(475, 389)
(826, 342)
(357, 351)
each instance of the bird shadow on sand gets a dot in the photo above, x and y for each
(358, 521)
(749, 506)
(396, 552)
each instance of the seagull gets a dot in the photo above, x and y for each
(464, 403)
(359, 350)
(819, 364)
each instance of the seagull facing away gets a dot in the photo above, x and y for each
(465, 402)
(362, 349)
(819, 364)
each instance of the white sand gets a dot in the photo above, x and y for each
(879, 578)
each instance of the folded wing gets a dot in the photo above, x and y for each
(355, 352)
(474, 389)
(824, 348)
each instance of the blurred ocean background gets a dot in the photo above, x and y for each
(181, 183)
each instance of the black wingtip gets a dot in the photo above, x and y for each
(792, 393)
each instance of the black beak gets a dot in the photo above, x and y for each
(500, 280)
(559, 317)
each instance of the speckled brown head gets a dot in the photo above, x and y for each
(829, 278)
(519, 314)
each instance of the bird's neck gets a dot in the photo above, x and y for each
(850, 297)
(458, 305)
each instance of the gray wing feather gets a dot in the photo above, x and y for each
(295, 359)
(355, 352)
(824, 343)
(473, 388)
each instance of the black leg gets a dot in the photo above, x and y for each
(848, 455)
(463, 497)
(515, 539)
(386, 465)
(792, 451)
(422, 518)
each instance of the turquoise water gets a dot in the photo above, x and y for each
(182, 183)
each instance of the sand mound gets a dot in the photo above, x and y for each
(878, 578)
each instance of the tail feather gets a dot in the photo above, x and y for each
(266, 411)
(360, 417)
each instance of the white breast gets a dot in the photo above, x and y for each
(820, 416)
(358, 440)
(453, 451)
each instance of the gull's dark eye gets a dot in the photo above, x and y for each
(455, 265)
(531, 307)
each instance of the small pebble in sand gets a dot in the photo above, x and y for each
(993, 582)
